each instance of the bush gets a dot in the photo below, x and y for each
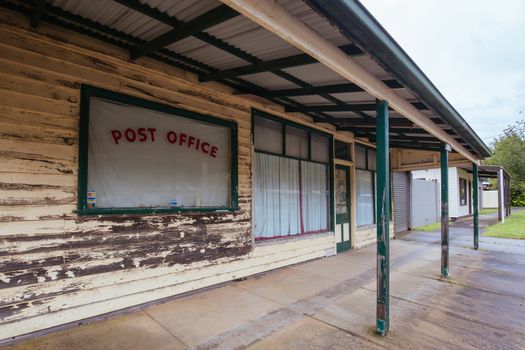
(517, 194)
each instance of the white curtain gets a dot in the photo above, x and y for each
(275, 196)
(314, 197)
(283, 190)
(365, 197)
(128, 168)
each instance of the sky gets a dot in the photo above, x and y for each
(472, 50)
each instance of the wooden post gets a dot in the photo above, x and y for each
(475, 215)
(383, 218)
(444, 209)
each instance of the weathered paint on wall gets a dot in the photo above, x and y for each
(56, 267)
(366, 235)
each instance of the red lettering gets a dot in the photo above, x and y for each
(213, 151)
(172, 137)
(152, 133)
(198, 143)
(130, 135)
(142, 134)
(182, 138)
(117, 135)
(205, 147)
(191, 140)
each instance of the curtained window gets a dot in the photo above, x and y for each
(144, 156)
(365, 197)
(365, 185)
(291, 190)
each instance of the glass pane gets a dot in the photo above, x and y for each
(140, 158)
(342, 150)
(372, 159)
(320, 148)
(341, 190)
(314, 195)
(360, 157)
(268, 135)
(296, 142)
(276, 196)
(365, 197)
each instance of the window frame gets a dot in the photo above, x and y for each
(87, 92)
(330, 164)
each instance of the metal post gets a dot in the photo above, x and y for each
(383, 218)
(501, 196)
(476, 204)
(444, 209)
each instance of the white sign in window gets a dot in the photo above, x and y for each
(143, 158)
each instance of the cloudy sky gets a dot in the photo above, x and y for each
(472, 50)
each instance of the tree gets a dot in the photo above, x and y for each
(508, 150)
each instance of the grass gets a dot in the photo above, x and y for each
(513, 227)
(428, 228)
(488, 211)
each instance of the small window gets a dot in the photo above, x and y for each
(296, 142)
(372, 165)
(360, 157)
(342, 150)
(365, 197)
(462, 191)
(268, 135)
(139, 156)
(320, 148)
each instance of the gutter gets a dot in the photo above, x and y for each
(359, 26)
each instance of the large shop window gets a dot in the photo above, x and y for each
(291, 179)
(139, 156)
(365, 183)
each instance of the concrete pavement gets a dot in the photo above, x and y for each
(330, 304)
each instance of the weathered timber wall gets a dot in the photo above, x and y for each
(56, 267)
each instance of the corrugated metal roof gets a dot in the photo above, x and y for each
(183, 10)
(115, 15)
(244, 34)
(269, 81)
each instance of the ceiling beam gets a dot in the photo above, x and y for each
(38, 8)
(207, 20)
(279, 63)
(354, 107)
(279, 21)
(329, 89)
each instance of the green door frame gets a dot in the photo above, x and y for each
(345, 218)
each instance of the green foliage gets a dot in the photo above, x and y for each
(508, 150)
(517, 194)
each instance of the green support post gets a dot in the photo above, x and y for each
(444, 209)
(383, 218)
(475, 199)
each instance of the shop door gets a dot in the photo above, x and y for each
(342, 208)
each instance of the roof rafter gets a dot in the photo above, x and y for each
(279, 63)
(329, 89)
(355, 107)
(207, 20)
(38, 8)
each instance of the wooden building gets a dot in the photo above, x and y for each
(152, 148)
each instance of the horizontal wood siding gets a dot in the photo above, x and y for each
(56, 267)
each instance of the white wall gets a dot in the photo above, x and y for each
(490, 199)
(455, 210)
